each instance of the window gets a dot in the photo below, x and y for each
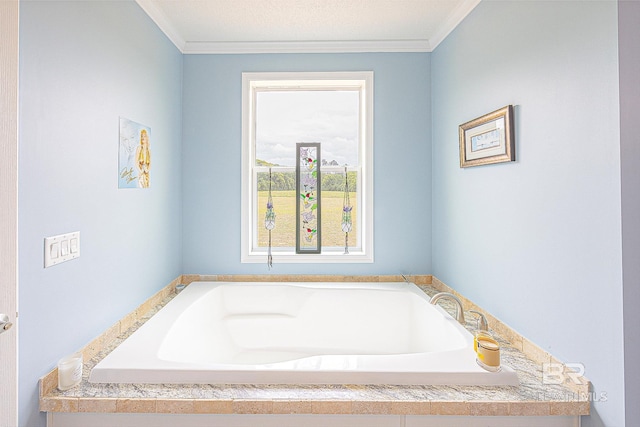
(280, 110)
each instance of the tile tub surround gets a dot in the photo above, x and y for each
(531, 398)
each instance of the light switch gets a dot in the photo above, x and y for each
(55, 250)
(73, 245)
(64, 248)
(61, 248)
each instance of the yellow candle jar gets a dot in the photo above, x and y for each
(488, 352)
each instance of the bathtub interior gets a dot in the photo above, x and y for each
(299, 333)
(269, 323)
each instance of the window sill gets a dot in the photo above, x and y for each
(353, 257)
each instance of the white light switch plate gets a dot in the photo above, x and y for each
(61, 248)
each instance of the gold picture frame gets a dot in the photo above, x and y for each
(488, 139)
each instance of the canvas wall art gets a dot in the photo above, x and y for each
(134, 157)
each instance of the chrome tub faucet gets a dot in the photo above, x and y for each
(459, 309)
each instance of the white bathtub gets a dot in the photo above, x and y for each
(299, 333)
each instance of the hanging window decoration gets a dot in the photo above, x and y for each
(270, 221)
(346, 213)
(308, 203)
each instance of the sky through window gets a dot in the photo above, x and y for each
(284, 118)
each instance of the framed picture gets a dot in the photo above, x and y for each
(488, 139)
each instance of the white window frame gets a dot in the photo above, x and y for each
(251, 83)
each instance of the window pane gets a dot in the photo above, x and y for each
(284, 118)
(332, 202)
(283, 193)
(284, 204)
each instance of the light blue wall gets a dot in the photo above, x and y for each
(212, 163)
(82, 65)
(628, 37)
(537, 242)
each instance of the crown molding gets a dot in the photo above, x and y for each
(163, 23)
(347, 46)
(452, 22)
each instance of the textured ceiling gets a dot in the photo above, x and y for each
(366, 25)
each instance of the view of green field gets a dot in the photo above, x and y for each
(284, 204)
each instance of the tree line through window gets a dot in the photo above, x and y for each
(283, 190)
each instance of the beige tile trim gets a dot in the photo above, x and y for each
(331, 407)
(59, 404)
(136, 405)
(293, 406)
(213, 406)
(418, 279)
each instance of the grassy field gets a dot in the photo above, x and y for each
(284, 234)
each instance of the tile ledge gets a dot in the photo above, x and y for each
(50, 401)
